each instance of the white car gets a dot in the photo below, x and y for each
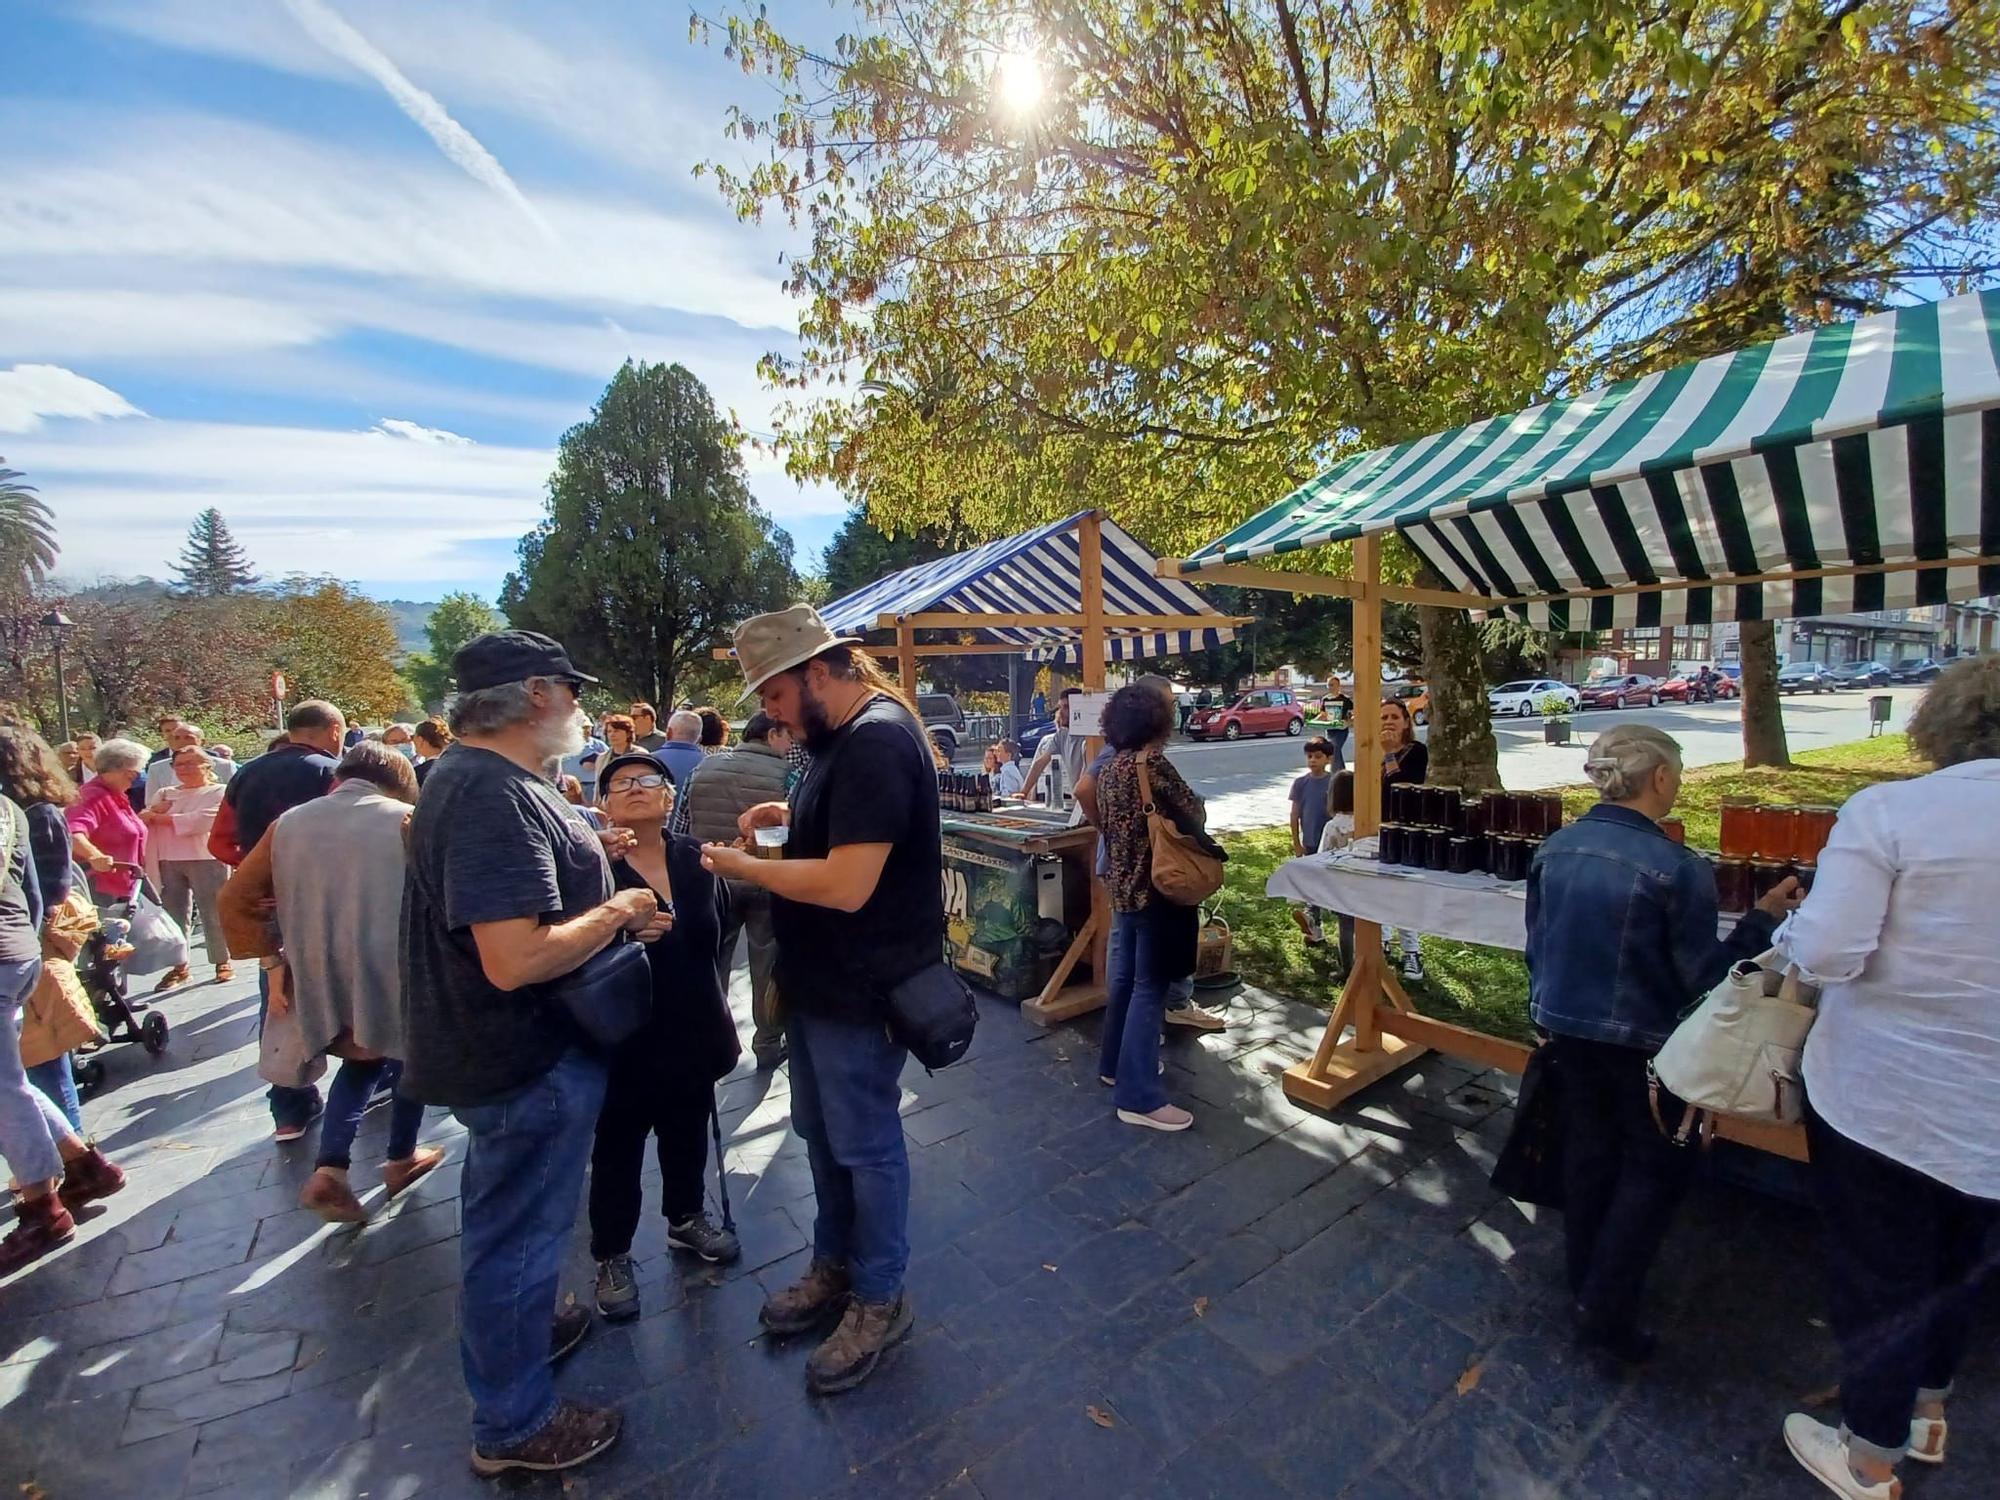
(1524, 698)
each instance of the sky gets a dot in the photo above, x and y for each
(347, 269)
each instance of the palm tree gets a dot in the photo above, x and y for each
(28, 547)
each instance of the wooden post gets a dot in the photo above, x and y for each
(1090, 578)
(906, 657)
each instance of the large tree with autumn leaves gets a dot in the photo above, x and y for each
(1172, 258)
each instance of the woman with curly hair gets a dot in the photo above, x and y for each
(1902, 1073)
(714, 730)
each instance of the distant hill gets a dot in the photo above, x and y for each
(409, 616)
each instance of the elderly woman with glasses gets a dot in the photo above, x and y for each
(106, 835)
(179, 817)
(1621, 941)
(662, 1082)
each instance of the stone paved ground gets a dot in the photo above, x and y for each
(1273, 1304)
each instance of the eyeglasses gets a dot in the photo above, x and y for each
(636, 784)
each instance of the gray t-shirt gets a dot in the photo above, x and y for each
(488, 842)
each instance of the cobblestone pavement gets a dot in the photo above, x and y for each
(1272, 1304)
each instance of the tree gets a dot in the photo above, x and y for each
(1230, 242)
(652, 546)
(212, 565)
(457, 618)
(28, 547)
(332, 642)
(1763, 713)
(862, 552)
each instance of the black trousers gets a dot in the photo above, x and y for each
(1905, 1259)
(1622, 1178)
(674, 1111)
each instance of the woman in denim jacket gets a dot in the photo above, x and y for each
(1621, 941)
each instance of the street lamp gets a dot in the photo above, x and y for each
(56, 623)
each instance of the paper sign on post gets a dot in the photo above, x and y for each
(1086, 714)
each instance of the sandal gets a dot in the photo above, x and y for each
(177, 975)
(224, 973)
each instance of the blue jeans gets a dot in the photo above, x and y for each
(845, 1093)
(288, 1106)
(347, 1096)
(524, 1161)
(1133, 1009)
(56, 1079)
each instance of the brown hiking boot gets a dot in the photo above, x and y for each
(807, 1301)
(332, 1199)
(574, 1435)
(851, 1352)
(44, 1224)
(397, 1175)
(90, 1176)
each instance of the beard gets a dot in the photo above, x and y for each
(815, 726)
(558, 737)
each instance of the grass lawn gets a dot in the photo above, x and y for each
(1487, 988)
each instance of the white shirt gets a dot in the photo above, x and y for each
(1007, 780)
(1903, 931)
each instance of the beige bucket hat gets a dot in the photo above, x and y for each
(768, 644)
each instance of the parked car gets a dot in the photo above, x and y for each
(1259, 711)
(1524, 697)
(944, 719)
(1681, 689)
(1733, 670)
(1415, 696)
(1633, 690)
(1921, 670)
(1861, 674)
(1032, 736)
(1805, 677)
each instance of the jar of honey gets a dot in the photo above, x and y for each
(1674, 829)
(1389, 844)
(1774, 825)
(1732, 884)
(1811, 828)
(1739, 827)
(1765, 876)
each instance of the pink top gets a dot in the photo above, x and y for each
(194, 808)
(106, 818)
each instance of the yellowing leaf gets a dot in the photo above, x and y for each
(1101, 1417)
(1201, 1307)
(1469, 1381)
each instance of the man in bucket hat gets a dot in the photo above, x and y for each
(509, 891)
(857, 907)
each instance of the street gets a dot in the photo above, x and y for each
(1246, 784)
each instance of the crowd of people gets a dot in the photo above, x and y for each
(455, 912)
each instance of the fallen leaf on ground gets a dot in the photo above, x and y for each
(569, 1300)
(1824, 1397)
(1201, 1307)
(1047, 1267)
(1469, 1381)
(1100, 1417)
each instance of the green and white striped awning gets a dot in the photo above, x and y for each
(1857, 444)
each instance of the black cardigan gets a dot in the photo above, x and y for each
(691, 1036)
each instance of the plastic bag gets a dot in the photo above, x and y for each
(282, 1056)
(157, 940)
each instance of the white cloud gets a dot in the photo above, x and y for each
(415, 432)
(325, 26)
(98, 322)
(31, 393)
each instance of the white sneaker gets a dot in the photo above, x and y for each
(1195, 1017)
(1166, 1117)
(1927, 1436)
(1822, 1451)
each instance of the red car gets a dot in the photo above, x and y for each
(1634, 690)
(1681, 689)
(1259, 711)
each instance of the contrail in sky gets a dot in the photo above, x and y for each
(332, 32)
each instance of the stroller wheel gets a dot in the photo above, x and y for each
(153, 1032)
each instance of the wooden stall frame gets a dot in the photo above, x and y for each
(1387, 1029)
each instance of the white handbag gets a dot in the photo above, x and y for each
(1738, 1052)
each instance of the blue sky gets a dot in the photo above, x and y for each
(348, 268)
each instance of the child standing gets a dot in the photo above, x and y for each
(1338, 834)
(1309, 819)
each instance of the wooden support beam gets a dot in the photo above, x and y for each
(1347, 1072)
(1456, 1041)
(1367, 691)
(906, 659)
(1316, 583)
(1090, 569)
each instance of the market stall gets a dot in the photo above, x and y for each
(1849, 468)
(1081, 593)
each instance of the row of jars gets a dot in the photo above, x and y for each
(1753, 830)
(1505, 855)
(1519, 814)
(1741, 883)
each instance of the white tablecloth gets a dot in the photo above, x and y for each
(1471, 908)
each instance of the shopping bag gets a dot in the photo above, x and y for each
(1738, 1053)
(1530, 1166)
(282, 1056)
(157, 941)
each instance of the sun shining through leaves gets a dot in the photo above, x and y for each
(1019, 85)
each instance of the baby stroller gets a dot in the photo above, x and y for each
(100, 966)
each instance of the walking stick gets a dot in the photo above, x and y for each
(721, 1168)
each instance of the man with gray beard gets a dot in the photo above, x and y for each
(508, 891)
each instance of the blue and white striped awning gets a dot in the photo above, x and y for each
(1039, 572)
(1864, 445)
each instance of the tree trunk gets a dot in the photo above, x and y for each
(1462, 748)
(1763, 714)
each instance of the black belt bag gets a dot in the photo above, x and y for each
(933, 1014)
(610, 994)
